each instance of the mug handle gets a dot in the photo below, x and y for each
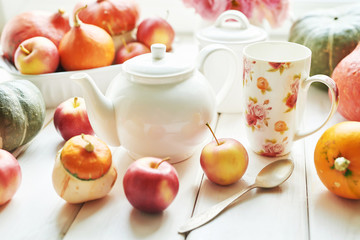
(203, 56)
(330, 83)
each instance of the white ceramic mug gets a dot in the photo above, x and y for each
(276, 79)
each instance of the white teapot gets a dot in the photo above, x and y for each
(158, 105)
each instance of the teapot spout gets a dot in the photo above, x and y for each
(100, 109)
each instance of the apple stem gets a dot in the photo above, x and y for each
(27, 52)
(76, 16)
(89, 146)
(61, 11)
(125, 44)
(163, 160)
(76, 102)
(212, 132)
(167, 15)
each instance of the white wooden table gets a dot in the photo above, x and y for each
(301, 208)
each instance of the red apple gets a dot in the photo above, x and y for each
(224, 161)
(37, 55)
(31, 24)
(10, 176)
(155, 30)
(71, 118)
(130, 50)
(151, 184)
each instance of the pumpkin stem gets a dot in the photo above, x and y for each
(26, 51)
(89, 146)
(77, 21)
(341, 164)
(212, 132)
(163, 160)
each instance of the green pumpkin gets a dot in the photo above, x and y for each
(22, 113)
(330, 34)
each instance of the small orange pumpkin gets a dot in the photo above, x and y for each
(83, 170)
(86, 46)
(337, 159)
(86, 157)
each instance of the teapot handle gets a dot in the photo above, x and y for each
(231, 76)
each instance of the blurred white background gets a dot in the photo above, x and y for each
(184, 20)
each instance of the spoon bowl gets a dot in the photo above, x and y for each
(274, 174)
(270, 176)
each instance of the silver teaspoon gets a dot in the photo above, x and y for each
(270, 176)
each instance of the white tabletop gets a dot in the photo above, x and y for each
(301, 208)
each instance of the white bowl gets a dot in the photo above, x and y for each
(58, 87)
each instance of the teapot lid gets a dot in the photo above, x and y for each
(157, 64)
(233, 27)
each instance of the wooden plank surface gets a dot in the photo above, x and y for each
(36, 211)
(114, 218)
(278, 213)
(330, 217)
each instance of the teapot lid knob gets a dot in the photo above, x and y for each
(158, 51)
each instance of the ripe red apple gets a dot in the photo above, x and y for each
(155, 30)
(10, 176)
(31, 24)
(37, 55)
(71, 118)
(151, 184)
(224, 161)
(130, 50)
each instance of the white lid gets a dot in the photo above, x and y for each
(238, 31)
(157, 64)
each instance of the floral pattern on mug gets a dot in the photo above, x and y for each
(281, 127)
(291, 98)
(279, 66)
(272, 148)
(263, 84)
(247, 70)
(257, 114)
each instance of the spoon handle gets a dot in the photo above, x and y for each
(211, 213)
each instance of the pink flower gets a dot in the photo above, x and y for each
(256, 113)
(274, 11)
(259, 112)
(295, 86)
(291, 101)
(251, 120)
(273, 150)
(244, 6)
(209, 9)
(276, 65)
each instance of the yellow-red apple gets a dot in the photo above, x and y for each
(130, 50)
(10, 176)
(155, 30)
(71, 118)
(151, 184)
(224, 161)
(37, 55)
